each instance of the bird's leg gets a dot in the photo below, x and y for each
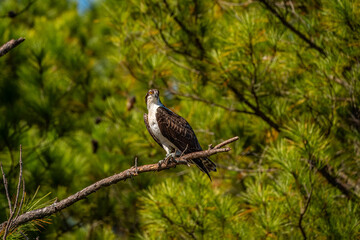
(169, 157)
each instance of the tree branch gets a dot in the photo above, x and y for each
(192, 35)
(197, 98)
(12, 14)
(292, 28)
(302, 214)
(324, 171)
(246, 170)
(4, 49)
(256, 110)
(129, 173)
(335, 181)
(6, 187)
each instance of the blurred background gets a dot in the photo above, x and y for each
(281, 75)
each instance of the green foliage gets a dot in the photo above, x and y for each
(30, 203)
(282, 75)
(189, 210)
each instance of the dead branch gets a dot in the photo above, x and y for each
(129, 173)
(226, 142)
(13, 210)
(4, 49)
(6, 187)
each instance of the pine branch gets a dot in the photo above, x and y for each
(257, 110)
(4, 49)
(335, 181)
(183, 26)
(199, 99)
(302, 214)
(129, 173)
(292, 28)
(13, 14)
(324, 171)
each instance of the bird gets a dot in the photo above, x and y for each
(173, 133)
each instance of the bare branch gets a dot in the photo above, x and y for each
(4, 49)
(22, 198)
(136, 165)
(6, 188)
(133, 171)
(226, 142)
(23, 185)
(19, 182)
(12, 212)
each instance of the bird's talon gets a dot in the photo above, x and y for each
(169, 158)
(160, 162)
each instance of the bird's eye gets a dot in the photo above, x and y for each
(151, 92)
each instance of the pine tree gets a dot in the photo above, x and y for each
(281, 75)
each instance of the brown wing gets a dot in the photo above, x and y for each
(149, 130)
(177, 130)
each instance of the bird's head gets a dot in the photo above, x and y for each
(152, 97)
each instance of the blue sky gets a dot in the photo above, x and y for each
(83, 5)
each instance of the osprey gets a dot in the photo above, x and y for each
(172, 132)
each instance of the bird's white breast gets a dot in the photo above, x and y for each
(155, 128)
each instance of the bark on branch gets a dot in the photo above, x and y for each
(129, 173)
(4, 49)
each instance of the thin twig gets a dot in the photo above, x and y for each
(20, 180)
(303, 211)
(16, 198)
(226, 142)
(182, 154)
(177, 63)
(22, 234)
(5, 48)
(6, 187)
(136, 163)
(58, 206)
(22, 199)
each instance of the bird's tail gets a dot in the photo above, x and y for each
(205, 165)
